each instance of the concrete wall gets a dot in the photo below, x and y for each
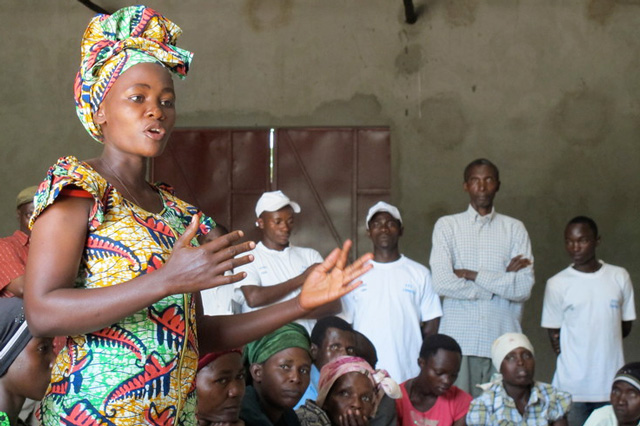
(547, 89)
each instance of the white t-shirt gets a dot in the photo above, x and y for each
(588, 308)
(388, 308)
(219, 301)
(604, 416)
(271, 267)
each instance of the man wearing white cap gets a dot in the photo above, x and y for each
(278, 269)
(14, 249)
(396, 306)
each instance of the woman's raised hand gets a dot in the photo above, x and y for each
(333, 278)
(192, 269)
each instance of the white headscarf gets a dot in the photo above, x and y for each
(500, 349)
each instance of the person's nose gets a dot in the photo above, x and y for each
(155, 111)
(235, 389)
(295, 376)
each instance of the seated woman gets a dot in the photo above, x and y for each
(25, 362)
(431, 398)
(349, 391)
(513, 396)
(625, 400)
(220, 386)
(279, 365)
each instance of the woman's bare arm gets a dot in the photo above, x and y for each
(55, 308)
(327, 282)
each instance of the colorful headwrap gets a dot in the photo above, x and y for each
(14, 333)
(114, 43)
(291, 335)
(630, 374)
(208, 358)
(332, 371)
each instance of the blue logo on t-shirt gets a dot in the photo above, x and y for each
(614, 304)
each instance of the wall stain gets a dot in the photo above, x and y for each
(410, 60)
(443, 123)
(582, 117)
(361, 108)
(461, 12)
(268, 14)
(600, 10)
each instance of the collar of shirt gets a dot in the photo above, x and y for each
(534, 398)
(476, 217)
(22, 238)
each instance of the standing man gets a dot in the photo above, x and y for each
(588, 309)
(278, 269)
(14, 249)
(482, 267)
(395, 306)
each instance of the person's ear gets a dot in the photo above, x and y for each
(498, 187)
(99, 117)
(597, 240)
(260, 223)
(313, 350)
(256, 372)
(421, 362)
(401, 231)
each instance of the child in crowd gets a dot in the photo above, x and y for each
(25, 362)
(625, 400)
(220, 384)
(279, 364)
(349, 393)
(513, 396)
(114, 261)
(431, 398)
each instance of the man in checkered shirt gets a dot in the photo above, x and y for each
(482, 267)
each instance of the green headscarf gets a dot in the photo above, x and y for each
(292, 335)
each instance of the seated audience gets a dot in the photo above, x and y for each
(220, 384)
(25, 362)
(431, 398)
(513, 396)
(386, 413)
(279, 364)
(348, 395)
(331, 337)
(625, 400)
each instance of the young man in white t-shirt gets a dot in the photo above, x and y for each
(278, 269)
(588, 309)
(396, 305)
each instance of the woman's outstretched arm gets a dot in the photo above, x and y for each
(54, 307)
(328, 281)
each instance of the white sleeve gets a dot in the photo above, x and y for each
(552, 306)
(430, 306)
(628, 304)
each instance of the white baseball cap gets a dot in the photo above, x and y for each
(381, 206)
(274, 201)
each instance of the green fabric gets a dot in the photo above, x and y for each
(291, 335)
(4, 419)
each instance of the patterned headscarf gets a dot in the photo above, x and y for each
(114, 43)
(291, 335)
(14, 333)
(332, 371)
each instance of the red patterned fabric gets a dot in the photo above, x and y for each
(13, 259)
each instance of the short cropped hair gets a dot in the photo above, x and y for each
(480, 162)
(433, 343)
(365, 349)
(320, 329)
(586, 221)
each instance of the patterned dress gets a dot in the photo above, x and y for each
(140, 370)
